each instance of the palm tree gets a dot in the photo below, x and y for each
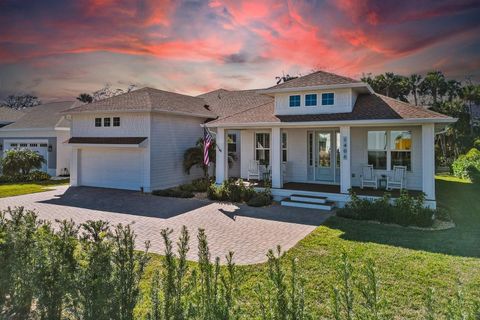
(453, 89)
(193, 157)
(434, 84)
(85, 97)
(412, 83)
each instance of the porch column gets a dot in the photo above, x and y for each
(428, 160)
(276, 158)
(345, 175)
(221, 163)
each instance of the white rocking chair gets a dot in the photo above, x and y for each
(368, 178)
(253, 170)
(398, 181)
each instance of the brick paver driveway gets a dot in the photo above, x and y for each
(247, 231)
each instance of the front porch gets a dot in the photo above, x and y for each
(329, 161)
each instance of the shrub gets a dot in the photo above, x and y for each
(174, 193)
(21, 161)
(31, 177)
(467, 166)
(476, 143)
(201, 185)
(406, 210)
(236, 191)
(261, 199)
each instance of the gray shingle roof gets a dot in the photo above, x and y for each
(40, 117)
(148, 99)
(318, 78)
(367, 107)
(10, 115)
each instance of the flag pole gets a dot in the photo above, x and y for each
(212, 133)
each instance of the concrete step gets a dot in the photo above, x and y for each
(328, 206)
(311, 199)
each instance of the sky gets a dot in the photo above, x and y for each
(58, 49)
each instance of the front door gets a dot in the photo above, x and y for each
(324, 148)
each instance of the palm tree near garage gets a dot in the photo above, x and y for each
(85, 97)
(193, 157)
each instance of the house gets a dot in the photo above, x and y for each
(312, 135)
(136, 140)
(317, 132)
(43, 129)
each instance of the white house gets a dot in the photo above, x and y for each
(43, 129)
(313, 136)
(135, 140)
(318, 132)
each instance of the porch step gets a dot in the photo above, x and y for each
(328, 205)
(311, 199)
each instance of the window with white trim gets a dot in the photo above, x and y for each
(294, 101)
(284, 147)
(262, 148)
(388, 148)
(310, 100)
(328, 99)
(98, 122)
(232, 142)
(116, 121)
(106, 122)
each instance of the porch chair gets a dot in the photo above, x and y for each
(284, 170)
(368, 177)
(253, 169)
(398, 180)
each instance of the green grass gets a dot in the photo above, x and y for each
(408, 261)
(16, 189)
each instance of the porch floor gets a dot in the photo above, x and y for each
(330, 188)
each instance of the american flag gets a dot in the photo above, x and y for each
(207, 143)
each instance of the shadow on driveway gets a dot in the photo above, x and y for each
(125, 202)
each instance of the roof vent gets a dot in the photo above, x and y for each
(207, 107)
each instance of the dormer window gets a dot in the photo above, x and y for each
(295, 101)
(327, 99)
(310, 100)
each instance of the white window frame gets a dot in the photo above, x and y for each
(284, 148)
(234, 142)
(269, 144)
(300, 102)
(119, 121)
(305, 100)
(389, 149)
(95, 122)
(321, 98)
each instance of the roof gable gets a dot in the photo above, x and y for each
(318, 78)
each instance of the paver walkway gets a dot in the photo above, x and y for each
(248, 232)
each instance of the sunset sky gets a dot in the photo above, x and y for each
(58, 49)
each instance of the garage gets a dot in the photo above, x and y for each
(120, 168)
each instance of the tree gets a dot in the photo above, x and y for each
(435, 85)
(21, 161)
(21, 101)
(389, 84)
(193, 157)
(412, 83)
(107, 92)
(85, 97)
(285, 78)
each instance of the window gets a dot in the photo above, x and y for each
(295, 101)
(284, 147)
(232, 142)
(397, 152)
(98, 122)
(43, 145)
(377, 149)
(337, 149)
(310, 149)
(116, 121)
(33, 145)
(13, 145)
(324, 149)
(327, 99)
(262, 148)
(23, 145)
(106, 122)
(401, 146)
(310, 100)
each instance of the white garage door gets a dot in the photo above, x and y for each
(111, 168)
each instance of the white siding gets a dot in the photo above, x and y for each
(296, 155)
(246, 150)
(360, 154)
(342, 102)
(64, 151)
(131, 125)
(171, 136)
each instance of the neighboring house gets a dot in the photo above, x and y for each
(43, 129)
(323, 128)
(135, 140)
(9, 115)
(315, 131)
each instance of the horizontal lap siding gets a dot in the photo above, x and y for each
(360, 154)
(296, 155)
(171, 136)
(342, 102)
(131, 125)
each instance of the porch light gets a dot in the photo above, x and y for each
(50, 148)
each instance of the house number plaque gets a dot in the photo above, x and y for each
(345, 148)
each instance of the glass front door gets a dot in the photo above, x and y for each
(323, 156)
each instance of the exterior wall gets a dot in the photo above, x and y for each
(296, 155)
(131, 125)
(343, 102)
(64, 151)
(170, 136)
(360, 154)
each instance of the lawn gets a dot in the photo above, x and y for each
(408, 261)
(16, 189)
